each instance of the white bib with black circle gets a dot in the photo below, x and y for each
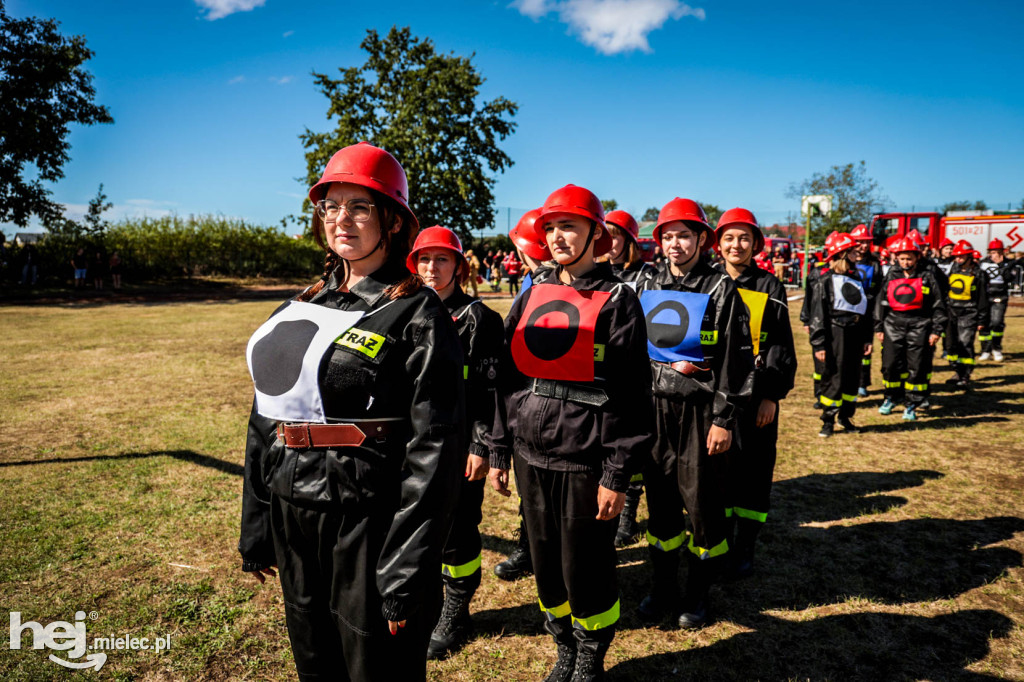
(849, 295)
(284, 357)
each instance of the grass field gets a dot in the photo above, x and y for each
(891, 555)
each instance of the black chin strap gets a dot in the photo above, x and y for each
(380, 243)
(590, 238)
(696, 253)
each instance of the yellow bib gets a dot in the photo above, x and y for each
(960, 287)
(755, 302)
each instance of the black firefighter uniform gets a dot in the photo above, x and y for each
(968, 306)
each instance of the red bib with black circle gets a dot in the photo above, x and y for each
(905, 293)
(555, 335)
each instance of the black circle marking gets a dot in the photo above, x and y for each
(550, 343)
(957, 285)
(851, 293)
(277, 357)
(904, 293)
(667, 334)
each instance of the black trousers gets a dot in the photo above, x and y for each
(906, 359)
(992, 336)
(963, 325)
(841, 376)
(865, 369)
(573, 553)
(327, 561)
(751, 466)
(819, 370)
(460, 559)
(683, 476)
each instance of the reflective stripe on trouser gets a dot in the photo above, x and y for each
(573, 553)
(963, 325)
(841, 377)
(819, 368)
(865, 369)
(906, 357)
(666, 545)
(681, 476)
(996, 327)
(460, 559)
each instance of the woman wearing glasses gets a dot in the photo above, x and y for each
(354, 438)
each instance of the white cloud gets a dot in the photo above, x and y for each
(611, 26)
(280, 81)
(131, 208)
(236, 79)
(218, 9)
(287, 34)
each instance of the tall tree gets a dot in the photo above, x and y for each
(424, 108)
(651, 214)
(964, 206)
(855, 197)
(43, 89)
(713, 213)
(609, 205)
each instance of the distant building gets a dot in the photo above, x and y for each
(22, 238)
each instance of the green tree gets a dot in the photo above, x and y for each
(609, 205)
(964, 206)
(713, 213)
(43, 89)
(855, 197)
(651, 214)
(424, 108)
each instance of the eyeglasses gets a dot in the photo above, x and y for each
(357, 209)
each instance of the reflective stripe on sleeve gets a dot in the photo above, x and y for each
(866, 361)
(997, 333)
(816, 376)
(637, 478)
(601, 620)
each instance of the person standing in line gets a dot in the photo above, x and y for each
(513, 270)
(910, 314)
(80, 264)
(814, 272)
(474, 272)
(116, 266)
(840, 334)
(355, 439)
(579, 394)
(871, 271)
(1000, 272)
(968, 305)
(702, 360)
(437, 257)
(752, 461)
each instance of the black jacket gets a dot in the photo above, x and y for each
(612, 440)
(415, 374)
(636, 273)
(813, 273)
(932, 304)
(728, 352)
(1000, 276)
(960, 299)
(482, 335)
(775, 363)
(824, 314)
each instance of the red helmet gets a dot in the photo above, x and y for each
(690, 212)
(861, 233)
(963, 248)
(842, 243)
(946, 241)
(436, 237)
(904, 244)
(996, 244)
(740, 216)
(577, 201)
(624, 221)
(977, 255)
(917, 238)
(367, 166)
(891, 240)
(539, 252)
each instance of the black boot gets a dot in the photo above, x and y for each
(518, 563)
(742, 564)
(590, 651)
(561, 630)
(455, 626)
(663, 601)
(696, 607)
(629, 530)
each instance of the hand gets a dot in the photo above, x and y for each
(933, 339)
(807, 329)
(262, 574)
(867, 349)
(609, 503)
(819, 355)
(394, 625)
(981, 328)
(880, 336)
(765, 413)
(719, 439)
(499, 481)
(476, 467)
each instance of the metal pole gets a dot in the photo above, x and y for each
(807, 247)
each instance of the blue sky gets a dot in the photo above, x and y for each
(639, 100)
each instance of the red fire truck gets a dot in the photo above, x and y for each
(979, 230)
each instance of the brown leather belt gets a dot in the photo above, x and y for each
(301, 435)
(687, 367)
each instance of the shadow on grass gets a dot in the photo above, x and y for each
(830, 497)
(525, 619)
(862, 646)
(183, 455)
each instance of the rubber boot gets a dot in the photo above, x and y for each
(629, 530)
(591, 647)
(518, 564)
(561, 630)
(742, 552)
(454, 627)
(696, 608)
(663, 601)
